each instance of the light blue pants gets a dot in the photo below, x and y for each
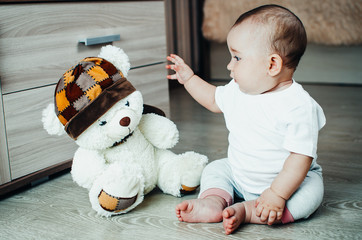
(301, 204)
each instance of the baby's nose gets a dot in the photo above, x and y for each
(229, 66)
(124, 122)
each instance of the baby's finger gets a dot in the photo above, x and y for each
(170, 67)
(259, 210)
(279, 215)
(264, 215)
(171, 59)
(272, 217)
(173, 76)
(256, 202)
(177, 59)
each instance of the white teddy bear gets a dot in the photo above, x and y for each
(122, 153)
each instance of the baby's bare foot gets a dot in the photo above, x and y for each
(239, 213)
(201, 210)
(233, 216)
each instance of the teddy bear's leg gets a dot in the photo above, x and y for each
(87, 166)
(179, 173)
(118, 190)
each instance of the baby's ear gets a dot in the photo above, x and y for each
(275, 64)
(51, 122)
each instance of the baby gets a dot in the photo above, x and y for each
(273, 127)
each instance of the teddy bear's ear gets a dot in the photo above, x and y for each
(51, 122)
(117, 57)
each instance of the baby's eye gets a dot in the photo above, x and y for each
(127, 104)
(237, 58)
(102, 123)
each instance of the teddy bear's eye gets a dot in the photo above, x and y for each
(127, 104)
(102, 123)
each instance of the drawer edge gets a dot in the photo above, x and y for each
(4, 156)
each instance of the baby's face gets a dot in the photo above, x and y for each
(249, 62)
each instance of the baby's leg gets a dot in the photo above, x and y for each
(213, 197)
(303, 202)
(307, 198)
(239, 213)
(207, 209)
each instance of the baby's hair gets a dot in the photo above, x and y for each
(287, 34)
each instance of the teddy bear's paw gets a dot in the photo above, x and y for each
(119, 194)
(118, 190)
(180, 174)
(187, 190)
(193, 165)
(115, 204)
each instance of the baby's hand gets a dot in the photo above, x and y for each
(269, 207)
(183, 71)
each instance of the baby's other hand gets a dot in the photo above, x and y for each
(269, 207)
(183, 71)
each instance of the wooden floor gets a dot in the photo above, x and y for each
(59, 209)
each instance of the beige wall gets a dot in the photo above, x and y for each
(320, 64)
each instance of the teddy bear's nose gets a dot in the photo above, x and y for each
(124, 122)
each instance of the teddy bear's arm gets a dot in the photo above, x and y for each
(159, 131)
(87, 166)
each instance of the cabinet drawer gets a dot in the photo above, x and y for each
(29, 145)
(39, 42)
(151, 81)
(32, 149)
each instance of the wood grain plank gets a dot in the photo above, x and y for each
(40, 41)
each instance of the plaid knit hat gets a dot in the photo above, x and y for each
(87, 91)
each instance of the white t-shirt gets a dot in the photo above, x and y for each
(265, 128)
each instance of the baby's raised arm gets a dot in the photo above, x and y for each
(200, 90)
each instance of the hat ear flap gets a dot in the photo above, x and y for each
(51, 122)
